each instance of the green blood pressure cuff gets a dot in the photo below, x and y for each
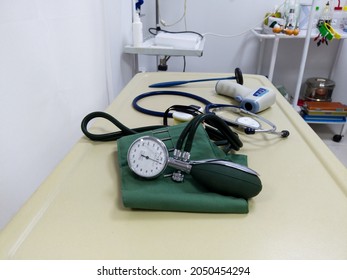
(163, 193)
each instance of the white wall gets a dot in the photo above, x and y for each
(56, 63)
(232, 17)
(222, 17)
(117, 18)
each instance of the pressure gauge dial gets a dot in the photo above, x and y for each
(148, 157)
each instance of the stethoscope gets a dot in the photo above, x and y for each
(249, 122)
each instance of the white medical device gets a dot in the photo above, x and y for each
(251, 100)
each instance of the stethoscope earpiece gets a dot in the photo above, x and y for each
(284, 133)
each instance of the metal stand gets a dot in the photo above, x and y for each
(307, 36)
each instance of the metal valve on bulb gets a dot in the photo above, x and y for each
(253, 100)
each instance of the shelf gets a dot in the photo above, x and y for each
(149, 48)
(263, 34)
(266, 33)
(342, 122)
(325, 120)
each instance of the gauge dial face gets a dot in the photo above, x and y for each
(147, 157)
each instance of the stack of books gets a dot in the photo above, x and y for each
(317, 111)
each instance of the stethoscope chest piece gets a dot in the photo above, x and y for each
(248, 122)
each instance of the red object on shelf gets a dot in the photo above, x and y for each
(301, 102)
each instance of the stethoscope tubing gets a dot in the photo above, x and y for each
(238, 77)
(210, 108)
(164, 92)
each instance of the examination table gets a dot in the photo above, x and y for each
(77, 213)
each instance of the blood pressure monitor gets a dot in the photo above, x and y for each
(148, 158)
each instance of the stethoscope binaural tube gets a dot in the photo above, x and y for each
(238, 77)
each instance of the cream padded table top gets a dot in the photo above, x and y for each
(77, 213)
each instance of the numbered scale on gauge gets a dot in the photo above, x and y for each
(147, 157)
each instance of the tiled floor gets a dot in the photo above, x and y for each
(326, 132)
